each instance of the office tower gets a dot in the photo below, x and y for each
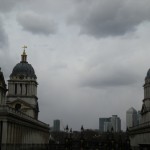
(101, 123)
(56, 125)
(131, 117)
(116, 123)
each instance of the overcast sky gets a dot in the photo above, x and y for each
(90, 56)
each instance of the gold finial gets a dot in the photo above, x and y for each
(24, 47)
(24, 56)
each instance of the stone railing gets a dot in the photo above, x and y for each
(139, 126)
(147, 109)
(10, 110)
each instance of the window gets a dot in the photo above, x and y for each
(17, 107)
(15, 88)
(26, 89)
(21, 88)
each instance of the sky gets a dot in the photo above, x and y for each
(90, 56)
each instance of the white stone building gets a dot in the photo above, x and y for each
(140, 134)
(19, 124)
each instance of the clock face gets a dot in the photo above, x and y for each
(21, 77)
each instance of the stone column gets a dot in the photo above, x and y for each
(4, 134)
(0, 97)
(23, 89)
(18, 89)
(8, 132)
(11, 88)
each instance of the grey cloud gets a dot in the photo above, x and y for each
(110, 18)
(7, 5)
(108, 78)
(37, 24)
(3, 36)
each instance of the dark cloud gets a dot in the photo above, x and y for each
(6, 5)
(110, 18)
(3, 36)
(108, 78)
(36, 24)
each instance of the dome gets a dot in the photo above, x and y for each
(148, 74)
(23, 69)
(2, 80)
(132, 111)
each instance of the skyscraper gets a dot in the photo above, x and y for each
(131, 117)
(101, 123)
(116, 123)
(56, 125)
(105, 124)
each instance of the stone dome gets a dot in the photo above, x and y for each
(148, 74)
(23, 69)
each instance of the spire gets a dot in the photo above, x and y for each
(24, 56)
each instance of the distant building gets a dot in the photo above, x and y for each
(131, 117)
(116, 123)
(56, 125)
(138, 117)
(106, 124)
(101, 123)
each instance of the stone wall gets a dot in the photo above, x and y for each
(140, 135)
(17, 128)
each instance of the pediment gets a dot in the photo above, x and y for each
(24, 104)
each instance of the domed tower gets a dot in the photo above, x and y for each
(22, 88)
(3, 89)
(145, 112)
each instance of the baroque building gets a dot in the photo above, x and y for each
(22, 88)
(140, 134)
(19, 124)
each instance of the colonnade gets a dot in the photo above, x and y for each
(18, 131)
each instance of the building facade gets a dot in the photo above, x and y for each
(107, 126)
(140, 134)
(19, 124)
